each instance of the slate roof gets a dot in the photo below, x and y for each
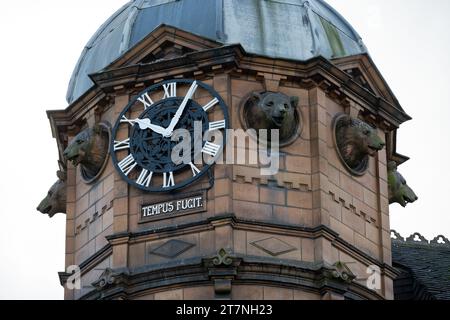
(424, 267)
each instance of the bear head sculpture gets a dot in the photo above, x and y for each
(272, 110)
(55, 201)
(399, 191)
(89, 149)
(356, 141)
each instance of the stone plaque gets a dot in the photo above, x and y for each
(172, 208)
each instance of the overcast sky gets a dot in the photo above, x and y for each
(42, 40)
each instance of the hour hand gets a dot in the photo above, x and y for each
(147, 124)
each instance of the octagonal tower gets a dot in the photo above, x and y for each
(316, 228)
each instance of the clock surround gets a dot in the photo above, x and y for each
(151, 151)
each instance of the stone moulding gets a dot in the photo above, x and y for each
(256, 226)
(127, 284)
(229, 269)
(317, 72)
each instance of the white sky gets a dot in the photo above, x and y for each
(42, 40)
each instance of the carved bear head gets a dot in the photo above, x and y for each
(55, 201)
(270, 110)
(89, 149)
(355, 141)
(399, 191)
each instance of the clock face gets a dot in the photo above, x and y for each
(152, 127)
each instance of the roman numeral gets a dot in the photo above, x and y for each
(122, 145)
(211, 104)
(211, 149)
(170, 90)
(126, 120)
(217, 125)
(127, 165)
(146, 101)
(169, 181)
(145, 178)
(195, 170)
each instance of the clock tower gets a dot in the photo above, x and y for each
(234, 150)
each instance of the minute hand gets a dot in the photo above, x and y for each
(180, 110)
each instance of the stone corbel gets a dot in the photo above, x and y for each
(222, 270)
(328, 296)
(341, 272)
(271, 81)
(110, 279)
(334, 92)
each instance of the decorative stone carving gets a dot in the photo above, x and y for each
(416, 237)
(273, 246)
(222, 269)
(399, 191)
(396, 236)
(107, 278)
(111, 277)
(222, 258)
(172, 248)
(272, 110)
(90, 149)
(55, 201)
(340, 271)
(441, 240)
(355, 141)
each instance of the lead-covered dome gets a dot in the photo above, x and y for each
(291, 29)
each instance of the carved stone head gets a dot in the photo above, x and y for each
(356, 141)
(89, 149)
(271, 110)
(399, 191)
(55, 201)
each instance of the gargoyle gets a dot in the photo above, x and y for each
(55, 201)
(399, 191)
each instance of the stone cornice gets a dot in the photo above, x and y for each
(89, 263)
(317, 72)
(128, 283)
(256, 226)
(323, 72)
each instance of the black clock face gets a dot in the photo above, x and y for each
(152, 126)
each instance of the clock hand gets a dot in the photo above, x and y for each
(146, 124)
(181, 108)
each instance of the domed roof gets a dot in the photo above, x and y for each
(291, 29)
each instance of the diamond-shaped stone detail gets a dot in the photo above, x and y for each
(172, 248)
(273, 246)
